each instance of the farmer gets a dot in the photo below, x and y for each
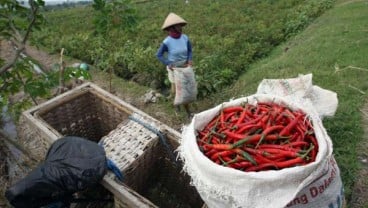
(177, 48)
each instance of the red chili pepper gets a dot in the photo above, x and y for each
(214, 140)
(290, 163)
(261, 159)
(247, 127)
(212, 123)
(234, 135)
(278, 108)
(247, 139)
(245, 164)
(228, 159)
(312, 139)
(233, 119)
(313, 155)
(228, 116)
(267, 131)
(232, 109)
(211, 152)
(202, 134)
(219, 146)
(277, 146)
(250, 112)
(264, 120)
(302, 129)
(282, 153)
(221, 154)
(256, 151)
(242, 116)
(297, 144)
(290, 126)
(234, 165)
(289, 113)
(294, 137)
(256, 137)
(260, 109)
(277, 165)
(256, 119)
(203, 148)
(245, 155)
(222, 118)
(241, 165)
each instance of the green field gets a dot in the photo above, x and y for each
(126, 38)
(233, 57)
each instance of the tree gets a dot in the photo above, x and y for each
(18, 74)
(16, 23)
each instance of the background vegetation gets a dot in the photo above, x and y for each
(125, 36)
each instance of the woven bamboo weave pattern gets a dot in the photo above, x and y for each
(87, 115)
(128, 142)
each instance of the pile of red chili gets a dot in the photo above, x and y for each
(265, 136)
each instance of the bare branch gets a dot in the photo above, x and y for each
(33, 21)
(357, 89)
(61, 87)
(337, 68)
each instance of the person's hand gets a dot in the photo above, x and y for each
(190, 63)
(171, 67)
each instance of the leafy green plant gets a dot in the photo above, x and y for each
(131, 35)
(113, 14)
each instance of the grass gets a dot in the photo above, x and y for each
(334, 49)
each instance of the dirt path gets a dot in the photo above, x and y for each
(46, 60)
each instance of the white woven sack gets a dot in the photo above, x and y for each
(226, 187)
(300, 89)
(326, 190)
(185, 84)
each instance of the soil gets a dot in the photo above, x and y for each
(360, 190)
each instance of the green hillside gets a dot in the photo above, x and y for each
(332, 49)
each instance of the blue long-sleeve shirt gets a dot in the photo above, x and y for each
(177, 50)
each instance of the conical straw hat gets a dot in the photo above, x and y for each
(173, 19)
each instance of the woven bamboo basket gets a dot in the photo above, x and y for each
(140, 146)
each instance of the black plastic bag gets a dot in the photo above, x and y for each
(72, 164)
